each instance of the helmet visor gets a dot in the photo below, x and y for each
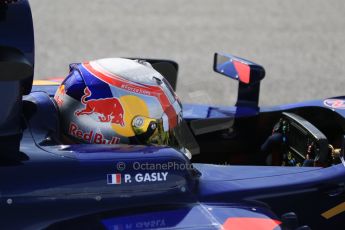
(151, 131)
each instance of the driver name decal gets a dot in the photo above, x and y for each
(119, 178)
(335, 103)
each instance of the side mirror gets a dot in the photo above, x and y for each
(13, 65)
(16, 73)
(17, 48)
(246, 72)
(238, 68)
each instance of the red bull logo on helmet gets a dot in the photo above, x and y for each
(107, 109)
(91, 136)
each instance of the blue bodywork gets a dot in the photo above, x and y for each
(57, 186)
(72, 179)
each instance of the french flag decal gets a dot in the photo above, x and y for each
(114, 178)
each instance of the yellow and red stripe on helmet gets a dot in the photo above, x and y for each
(155, 91)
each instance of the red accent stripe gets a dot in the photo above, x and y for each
(118, 178)
(123, 84)
(249, 223)
(243, 71)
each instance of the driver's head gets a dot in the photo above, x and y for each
(116, 100)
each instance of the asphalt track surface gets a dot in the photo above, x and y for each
(301, 44)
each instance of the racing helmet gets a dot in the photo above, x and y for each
(117, 100)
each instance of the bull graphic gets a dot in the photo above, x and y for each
(109, 109)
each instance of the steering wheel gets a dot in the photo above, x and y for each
(301, 143)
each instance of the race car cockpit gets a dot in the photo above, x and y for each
(302, 136)
(297, 142)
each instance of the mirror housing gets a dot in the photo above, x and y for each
(238, 68)
(13, 65)
(17, 53)
(249, 75)
(16, 73)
